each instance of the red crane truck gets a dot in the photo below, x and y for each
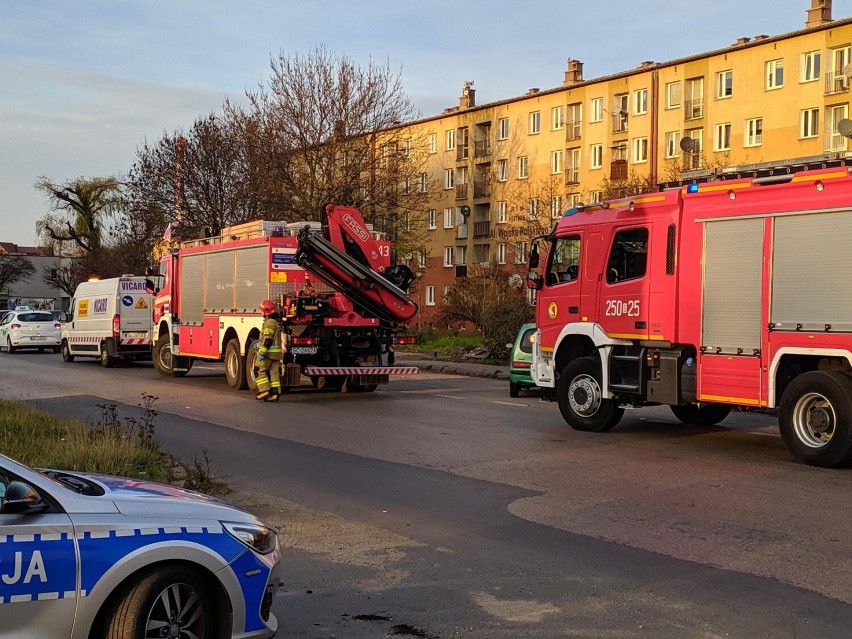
(341, 332)
(730, 292)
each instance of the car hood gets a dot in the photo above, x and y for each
(142, 498)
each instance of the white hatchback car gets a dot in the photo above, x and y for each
(28, 328)
(98, 557)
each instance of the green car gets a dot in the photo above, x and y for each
(521, 361)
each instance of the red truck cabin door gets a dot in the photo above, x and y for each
(559, 298)
(624, 291)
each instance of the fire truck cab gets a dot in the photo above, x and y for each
(733, 292)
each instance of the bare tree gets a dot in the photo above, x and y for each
(324, 130)
(14, 268)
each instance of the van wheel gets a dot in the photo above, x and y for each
(107, 360)
(815, 418)
(235, 366)
(701, 415)
(580, 397)
(66, 352)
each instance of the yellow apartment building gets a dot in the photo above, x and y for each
(497, 174)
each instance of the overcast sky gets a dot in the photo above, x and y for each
(84, 82)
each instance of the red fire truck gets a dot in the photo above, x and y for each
(730, 292)
(340, 330)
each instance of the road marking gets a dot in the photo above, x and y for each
(757, 432)
(449, 396)
(510, 403)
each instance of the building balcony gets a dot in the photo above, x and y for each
(462, 152)
(835, 141)
(693, 109)
(573, 130)
(836, 82)
(618, 170)
(481, 229)
(482, 188)
(461, 232)
(619, 122)
(461, 191)
(481, 148)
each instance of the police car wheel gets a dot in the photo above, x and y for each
(170, 602)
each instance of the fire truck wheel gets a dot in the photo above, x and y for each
(580, 398)
(701, 415)
(354, 385)
(235, 366)
(815, 418)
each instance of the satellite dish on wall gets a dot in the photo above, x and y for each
(687, 145)
(844, 127)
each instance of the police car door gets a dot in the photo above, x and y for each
(38, 566)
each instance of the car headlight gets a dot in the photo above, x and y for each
(259, 538)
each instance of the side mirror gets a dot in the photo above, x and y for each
(64, 317)
(534, 255)
(21, 499)
(534, 280)
(150, 287)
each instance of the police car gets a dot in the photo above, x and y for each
(92, 556)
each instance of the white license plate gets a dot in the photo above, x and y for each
(35, 338)
(135, 335)
(303, 350)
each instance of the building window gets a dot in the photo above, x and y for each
(421, 259)
(809, 123)
(556, 162)
(533, 209)
(572, 170)
(810, 66)
(503, 129)
(432, 142)
(575, 121)
(461, 255)
(523, 167)
(430, 296)
(450, 140)
(754, 132)
(449, 256)
(449, 178)
(596, 156)
(424, 182)
(640, 150)
(722, 138)
(520, 253)
(535, 122)
(432, 220)
(640, 102)
(672, 141)
(502, 170)
(596, 110)
(673, 95)
(557, 118)
(573, 200)
(724, 84)
(774, 74)
(502, 212)
(501, 253)
(834, 115)
(446, 291)
(595, 196)
(449, 217)
(555, 206)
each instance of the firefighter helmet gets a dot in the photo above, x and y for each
(268, 307)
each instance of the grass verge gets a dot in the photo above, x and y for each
(39, 439)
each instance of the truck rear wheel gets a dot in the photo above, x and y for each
(580, 397)
(235, 366)
(815, 418)
(701, 414)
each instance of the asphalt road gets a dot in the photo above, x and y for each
(440, 507)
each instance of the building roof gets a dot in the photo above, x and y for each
(10, 248)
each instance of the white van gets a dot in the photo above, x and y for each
(110, 319)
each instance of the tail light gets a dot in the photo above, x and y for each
(405, 339)
(304, 341)
(57, 325)
(116, 325)
(521, 364)
(15, 326)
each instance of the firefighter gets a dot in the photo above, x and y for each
(307, 289)
(270, 354)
